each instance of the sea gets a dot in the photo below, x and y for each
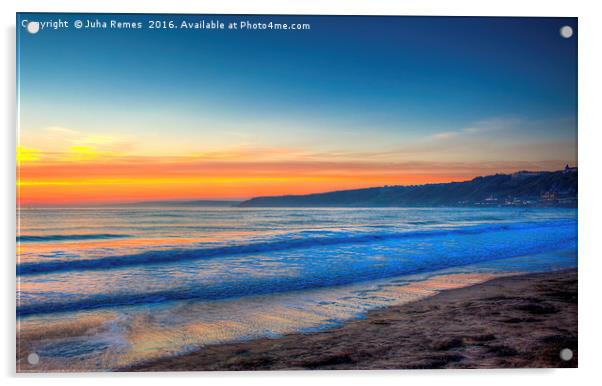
(100, 289)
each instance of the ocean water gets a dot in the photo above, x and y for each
(102, 288)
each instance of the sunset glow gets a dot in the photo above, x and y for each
(89, 179)
(335, 113)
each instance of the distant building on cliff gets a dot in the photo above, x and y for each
(568, 169)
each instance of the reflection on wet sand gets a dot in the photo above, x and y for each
(105, 340)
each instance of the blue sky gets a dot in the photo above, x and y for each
(425, 89)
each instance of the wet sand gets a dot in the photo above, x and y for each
(516, 321)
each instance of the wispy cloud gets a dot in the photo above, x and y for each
(497, 124)
(62, 131)
(445, 135)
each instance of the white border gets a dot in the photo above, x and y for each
(590, 196)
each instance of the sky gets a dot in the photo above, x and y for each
(114, 115)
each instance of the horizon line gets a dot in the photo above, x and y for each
(108, 204)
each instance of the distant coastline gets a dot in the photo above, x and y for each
(520, 189)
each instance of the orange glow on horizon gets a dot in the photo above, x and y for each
(90, 180)
(106, 191)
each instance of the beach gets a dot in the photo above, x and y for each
(507, 322)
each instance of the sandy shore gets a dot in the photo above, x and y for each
(518, 321)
